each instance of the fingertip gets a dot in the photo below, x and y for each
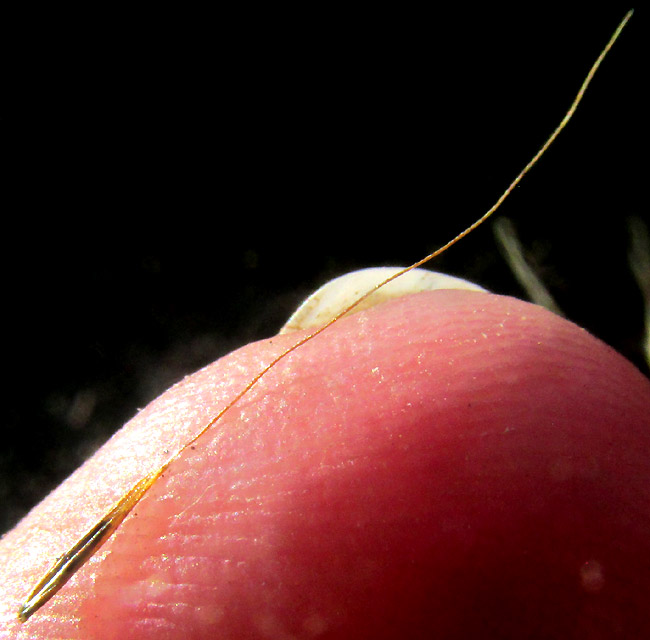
(454, 463)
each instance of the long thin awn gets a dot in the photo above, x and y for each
(66, 565)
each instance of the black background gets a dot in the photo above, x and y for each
(176, 183)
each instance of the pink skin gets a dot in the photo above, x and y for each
(449, 465)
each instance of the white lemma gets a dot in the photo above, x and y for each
(338, 294)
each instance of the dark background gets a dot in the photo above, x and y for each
(176, 183)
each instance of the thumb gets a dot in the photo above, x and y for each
(451, 465)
